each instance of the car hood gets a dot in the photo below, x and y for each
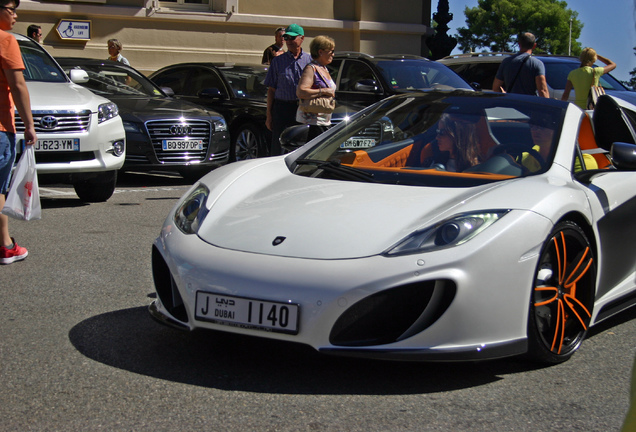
(145, 108)
(60, 96)
(629, 96)
(257, 203)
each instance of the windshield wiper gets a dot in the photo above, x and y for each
(335, 167)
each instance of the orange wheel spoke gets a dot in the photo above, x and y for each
(573, 303)
(569, 283)
(561, 260)
(559, 328)
(550, 300)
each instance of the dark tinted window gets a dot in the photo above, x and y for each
(203, 78)
(174, 79)
(418, 74)
(246, 82)
(354, 72)
(481, 73)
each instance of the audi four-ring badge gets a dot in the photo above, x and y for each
(162, 133)
(79, 132)
(480, 226)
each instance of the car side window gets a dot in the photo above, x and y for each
(174, 79)
(334, 68)
(354, 72)
(204, 79)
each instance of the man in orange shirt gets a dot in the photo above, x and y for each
(13, 94)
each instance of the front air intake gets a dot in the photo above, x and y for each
(167, 288)
(393, 314)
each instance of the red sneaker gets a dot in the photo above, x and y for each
(17, 253)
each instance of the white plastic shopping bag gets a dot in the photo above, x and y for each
(23, 199)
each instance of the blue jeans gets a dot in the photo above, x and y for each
(7, 157)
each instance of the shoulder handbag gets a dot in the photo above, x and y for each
(595, 93)
(23, 199)
(319, 105)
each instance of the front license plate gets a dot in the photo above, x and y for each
(355, 143)
(170, 145)
(46, 145)
(247, 313)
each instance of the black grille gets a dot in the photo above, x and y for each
(57, 121)
(171, 129)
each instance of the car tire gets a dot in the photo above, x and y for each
(248, 143)
(562, 295)
(95, 187)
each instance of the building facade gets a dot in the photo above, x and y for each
(156, 33)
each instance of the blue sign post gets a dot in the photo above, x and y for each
(74, 29)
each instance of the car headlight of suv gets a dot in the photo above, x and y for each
(107, 111)
(192, 211)
(451, 232)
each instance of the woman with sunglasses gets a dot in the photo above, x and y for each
(457, 146)
(316, 82)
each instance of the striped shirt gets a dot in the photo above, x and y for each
(284, 74)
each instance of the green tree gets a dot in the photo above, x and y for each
(494, 24)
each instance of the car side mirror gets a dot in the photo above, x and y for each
(168, 91)
(211, 93)
(368, 86)
(78, 76)
(294, 137)
(623, 156)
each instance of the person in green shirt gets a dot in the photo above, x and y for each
(630, 419)
(584, 77)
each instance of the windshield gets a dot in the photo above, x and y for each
(419, 74)
(39, 66)
(556, 74)
(111, 79)
(246, 81)
(440, 138)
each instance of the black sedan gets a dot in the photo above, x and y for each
(162, 133)
(236, 91)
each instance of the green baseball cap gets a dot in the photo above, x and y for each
(295, 30)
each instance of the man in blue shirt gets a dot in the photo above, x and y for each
(522, 73)
(282, 79)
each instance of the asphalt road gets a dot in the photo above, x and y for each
(79, 352)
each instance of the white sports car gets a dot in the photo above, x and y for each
(378, 240)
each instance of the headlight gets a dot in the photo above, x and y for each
(451, 232)
(191, 213)
(219, 125)
(107, 111)
(131, 127)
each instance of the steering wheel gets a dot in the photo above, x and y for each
(516, 150)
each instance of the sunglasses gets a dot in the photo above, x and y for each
(289, 37)
(10, 9)
(442, 132)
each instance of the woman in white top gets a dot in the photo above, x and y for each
(316, 82)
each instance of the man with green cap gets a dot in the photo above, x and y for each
(282, 79)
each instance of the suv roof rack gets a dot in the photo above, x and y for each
(355, 54)
(352, 54)
(479, 54)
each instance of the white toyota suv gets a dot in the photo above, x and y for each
(79, 133)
